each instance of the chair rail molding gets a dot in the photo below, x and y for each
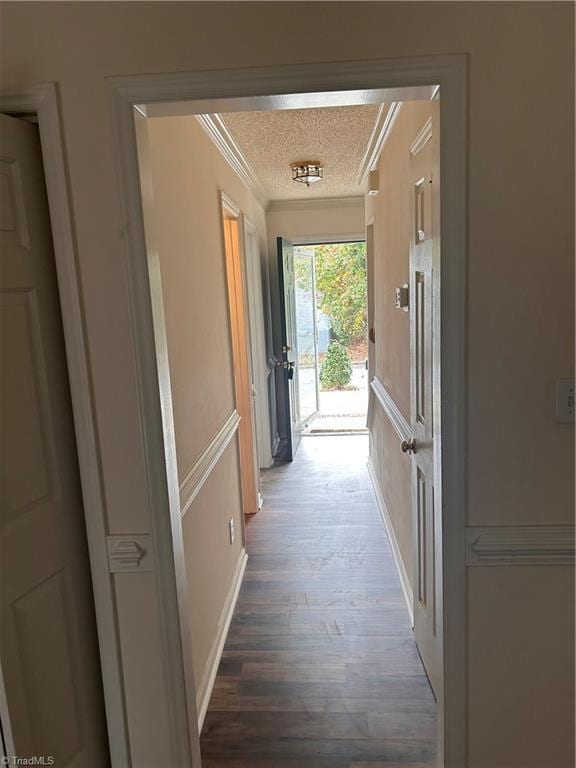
(200, 471)
(520, 545)
(394, 414)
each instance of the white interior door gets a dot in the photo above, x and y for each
(48, 645)
(426, 510)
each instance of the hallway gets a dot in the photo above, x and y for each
(320, 669)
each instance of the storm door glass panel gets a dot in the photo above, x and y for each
(306, 331)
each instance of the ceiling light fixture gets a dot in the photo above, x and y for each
(307, 171)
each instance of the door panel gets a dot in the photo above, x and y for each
(48, 645)
(421, 375)
(292, 422)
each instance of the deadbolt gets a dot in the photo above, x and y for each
(408, 446)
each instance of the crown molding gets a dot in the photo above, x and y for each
(315, 202)
(424, 135)
(385, 120)
(216, 130)
(520, 545)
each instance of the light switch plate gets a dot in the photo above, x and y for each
(564, 407)
(231, 531)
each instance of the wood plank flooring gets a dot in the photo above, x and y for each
(320, 668)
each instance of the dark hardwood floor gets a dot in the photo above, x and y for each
(320, 668)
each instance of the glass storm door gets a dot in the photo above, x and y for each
(305, 291)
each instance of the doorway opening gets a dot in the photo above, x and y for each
(218, 91)
(332, 337)
(240, 344)
(320, 560)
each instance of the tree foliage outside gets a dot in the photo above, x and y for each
(336, 370)
(341, 289)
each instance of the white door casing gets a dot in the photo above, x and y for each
(292, 87)
(427, 522)
(258, 356)
(48, 650)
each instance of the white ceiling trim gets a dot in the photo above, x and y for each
(316, 202)
(384, 121)
(214, 127)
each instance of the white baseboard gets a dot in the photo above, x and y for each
(207, 683)
(403, 576)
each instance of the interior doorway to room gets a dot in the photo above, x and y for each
(332, 337)
(251, 597)
(240, 338)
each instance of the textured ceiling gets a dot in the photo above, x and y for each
(336, 136)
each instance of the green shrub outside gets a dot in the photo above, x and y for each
(336, 370)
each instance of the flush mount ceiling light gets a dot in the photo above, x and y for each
(307, 171)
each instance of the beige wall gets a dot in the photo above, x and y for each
(393, 475)
(520, 262)
(389, 212)
(311, 219)
(188, 174)
(332, 219)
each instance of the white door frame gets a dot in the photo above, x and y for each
(255, 307)
(269, 88)
(43, 102)
(260, 88)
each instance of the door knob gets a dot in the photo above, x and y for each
(408, 446)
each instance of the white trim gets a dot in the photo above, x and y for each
(206, 684)
(394, 414)
(396, 554)
(215, 128)
(520, 545)
(44, 101)
(424, 135)
(266, 87)
(153, 396)
(321, 203)
(260, 372)
(229, 206)
(200, 471)
(325, 239)
(385, 120)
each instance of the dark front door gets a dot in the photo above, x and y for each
(289, 415)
